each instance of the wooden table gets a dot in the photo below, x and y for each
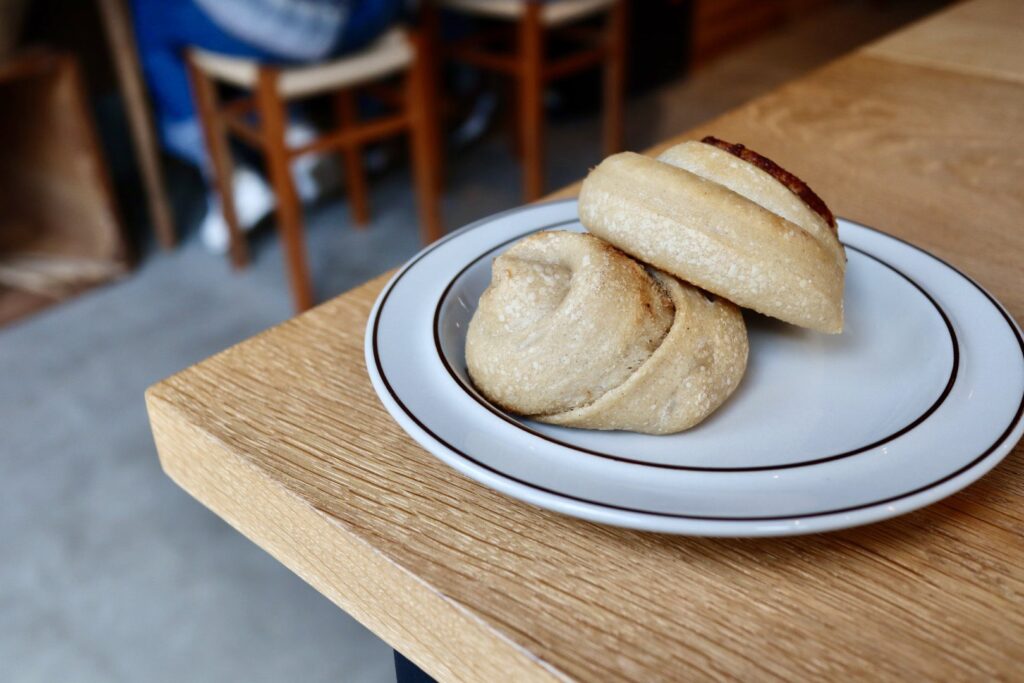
(919, 135)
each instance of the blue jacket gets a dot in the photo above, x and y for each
(302, 30)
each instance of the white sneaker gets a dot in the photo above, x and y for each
(214, 229)
(253, 196)
(304, 168)
(253, 201)
(477, 121)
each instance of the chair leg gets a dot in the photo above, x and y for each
(615, 78)
(216, 134)
(422, 113)
(430, 50)
(355, 178)
(510, 97)
(273, 119)
(531, 105)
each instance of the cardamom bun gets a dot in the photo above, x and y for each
(571, 331)
(727, 220)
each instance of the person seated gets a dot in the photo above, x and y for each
(279, 31)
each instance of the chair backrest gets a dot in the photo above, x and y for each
(390, 53)
(553, 12)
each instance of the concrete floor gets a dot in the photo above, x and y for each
(111, 573)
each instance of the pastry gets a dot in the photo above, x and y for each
(727, 220)
(573, 332)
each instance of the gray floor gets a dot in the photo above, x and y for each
(108, 572)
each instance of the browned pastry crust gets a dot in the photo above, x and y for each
(795, 185)
(725, 224)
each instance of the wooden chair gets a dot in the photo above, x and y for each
(261, 120)
(530, 69)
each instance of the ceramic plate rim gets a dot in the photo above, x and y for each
(673, 522)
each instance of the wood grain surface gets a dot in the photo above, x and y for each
(284, 437)
(980, 38)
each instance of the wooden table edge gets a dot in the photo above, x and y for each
(391, 601)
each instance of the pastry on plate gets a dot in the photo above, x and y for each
(571, 331)
(727, 220)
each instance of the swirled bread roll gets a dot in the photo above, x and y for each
(695, 369)
(574, 332)
(566, 318)
(727, 220)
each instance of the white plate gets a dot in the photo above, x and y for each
(920, 396)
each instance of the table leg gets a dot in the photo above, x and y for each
(407, 672)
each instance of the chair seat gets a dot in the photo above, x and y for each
(552, 13)
(390, 53)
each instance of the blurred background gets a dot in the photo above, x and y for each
(177, 175)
